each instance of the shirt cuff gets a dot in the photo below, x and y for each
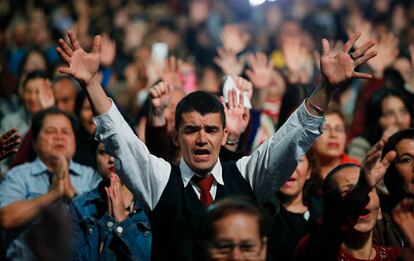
(309, 121)
(106, 123)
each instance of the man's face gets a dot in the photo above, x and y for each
(65, 95)
(237, 237)
(344, 182)
(56, 138)
(200, 138)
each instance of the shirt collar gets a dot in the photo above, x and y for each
(187, 173)
(38, 168)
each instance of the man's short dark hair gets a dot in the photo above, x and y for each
(201, 102)
(38, 118)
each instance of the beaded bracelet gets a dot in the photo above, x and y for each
(316, 107)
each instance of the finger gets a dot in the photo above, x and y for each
(358, 52)
(325, 47)
(8, 133)
(65, 70)
(96, 46)
(250, 74)
(262, 58)
(173, 63)
(388, 159)
(218, 61)
(241, 100)
(63, 55)
(65, 47)
(365, 58)
(224, 104)
(348, 45)
(361, 75)
(230, 101)
(73, 40)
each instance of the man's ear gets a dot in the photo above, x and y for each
(174, 136)
(225, 134)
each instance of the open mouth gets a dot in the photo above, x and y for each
(364, 213)
(201, 154)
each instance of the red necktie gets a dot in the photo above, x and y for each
(205, 184)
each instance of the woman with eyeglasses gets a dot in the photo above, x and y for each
(329, 148)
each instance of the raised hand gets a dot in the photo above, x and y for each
(107, 50)
(160, 96)
(298, 60)
(46, 95)
(83, 66)
(261, 72)
(170, 74)
(387, 49)
(237, 115)
(337, 69)
(8, 143)
(233, 39)
(374, 168)
(228, 62)
(116, 205)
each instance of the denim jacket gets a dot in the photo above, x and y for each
(98, 236)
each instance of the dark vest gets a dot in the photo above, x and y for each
(175, 219)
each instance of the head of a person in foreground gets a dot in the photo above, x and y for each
(232, 229)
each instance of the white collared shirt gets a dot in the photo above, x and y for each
(266, 169)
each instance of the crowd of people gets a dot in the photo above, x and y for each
(207, 130)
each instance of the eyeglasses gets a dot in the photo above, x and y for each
(248, 249)
(336, 129)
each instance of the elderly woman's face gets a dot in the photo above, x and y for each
(404, 164)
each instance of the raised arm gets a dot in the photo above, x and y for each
(268, 168)
(144, 174)
(84, 67)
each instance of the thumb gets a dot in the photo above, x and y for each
(96, 47)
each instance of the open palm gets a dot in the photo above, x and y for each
(83, 66)
(339, 68)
